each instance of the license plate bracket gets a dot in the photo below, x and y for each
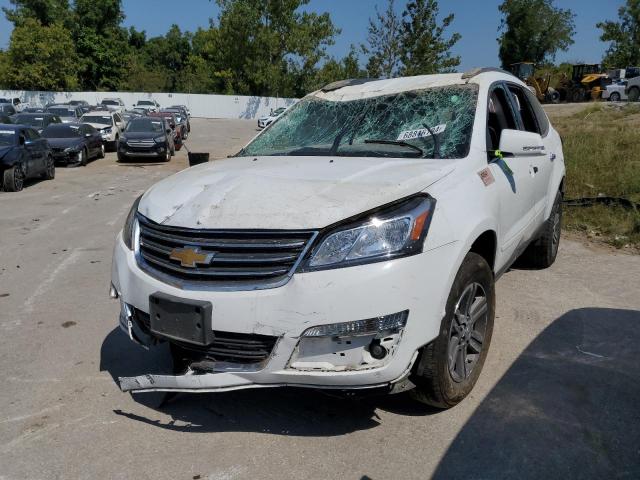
(180, 319)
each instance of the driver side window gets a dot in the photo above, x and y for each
(499, 117)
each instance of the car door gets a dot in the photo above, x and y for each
(533, 119)
(512, 176)
(33, 161)
(42, 149)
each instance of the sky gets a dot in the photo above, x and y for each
(476, 20)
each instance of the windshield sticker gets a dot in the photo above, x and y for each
(486, 176)
(421, 133)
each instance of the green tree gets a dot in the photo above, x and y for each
(270, 47)
(424, 47)
(334, 69)
(533, 31)
(383, 45)
(170, 53)
(40, 58)
(624, 37)
(47, 12)
(101, 43)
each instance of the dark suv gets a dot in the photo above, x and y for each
(146, 137)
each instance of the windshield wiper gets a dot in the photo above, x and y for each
(396, 142)
(436, 141)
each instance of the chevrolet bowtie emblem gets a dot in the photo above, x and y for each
(191, 257)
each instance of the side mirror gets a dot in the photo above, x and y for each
(517, 143)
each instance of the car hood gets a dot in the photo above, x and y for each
(98, 126)
(142, 135)
(65, 142)
(285, 192)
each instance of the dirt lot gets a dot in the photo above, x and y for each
(557, 398)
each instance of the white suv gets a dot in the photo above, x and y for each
(109, 123)
(354, 244)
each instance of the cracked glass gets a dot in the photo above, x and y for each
(428, 123)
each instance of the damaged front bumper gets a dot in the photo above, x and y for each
(319, 325)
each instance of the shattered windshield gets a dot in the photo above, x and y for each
(431, 123)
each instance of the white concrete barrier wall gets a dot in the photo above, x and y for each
(204, 106)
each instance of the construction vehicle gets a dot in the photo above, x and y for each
(525, 71)
(587, 82)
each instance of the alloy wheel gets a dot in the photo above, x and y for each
(467, 332)
(51, 168)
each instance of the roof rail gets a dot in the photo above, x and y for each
(469, 74)
(346, 83)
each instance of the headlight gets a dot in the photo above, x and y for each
(159, 139)
(107, 130)
(70, 149)
(129, 225)
(390, 233)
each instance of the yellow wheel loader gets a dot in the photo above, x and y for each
(525, 71)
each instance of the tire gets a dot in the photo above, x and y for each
(442, 380)
(102, 153)
(13, 179)
(167, 157)
(542, 252)
(50, 172)
(614, 97)
(577, 95)
(121, 158)
(634, 94)
(83, 156)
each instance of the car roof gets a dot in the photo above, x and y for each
(354, 89)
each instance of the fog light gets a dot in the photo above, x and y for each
(371, 326)
(377, 351)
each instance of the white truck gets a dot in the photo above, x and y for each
(352, 245)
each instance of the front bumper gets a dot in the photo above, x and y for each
(64, 158)
(419, 284)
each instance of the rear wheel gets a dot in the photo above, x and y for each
(50, 172)
(614, 97)
(634, 94)
(448, 368)
(542, 252)
(13, 179)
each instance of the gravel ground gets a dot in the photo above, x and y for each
(557, 397)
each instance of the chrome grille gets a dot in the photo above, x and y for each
(235, 258)
(141, 143)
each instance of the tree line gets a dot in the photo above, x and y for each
(271, 47)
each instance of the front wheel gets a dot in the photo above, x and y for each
(634, 94)
(614, 97)
(167, 156)
(13, 179)
(102, 151)
(448, 367)
(50, 172)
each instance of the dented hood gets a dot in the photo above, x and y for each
(285, 192)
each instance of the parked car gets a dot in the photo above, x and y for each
(38, 121)
(148, 105)
(146, 137)
(7, 109)
(16, 102)
(83, 104)
(183, 107)
(33, 110)
(115, 104)
(23, 155)
(67, 113)
(74, 143)
(129, 114)
(264, 122)
(354, 244)
(110, 124)
(615, 92)
(181, 121)
(171, 120)
(182, 118)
